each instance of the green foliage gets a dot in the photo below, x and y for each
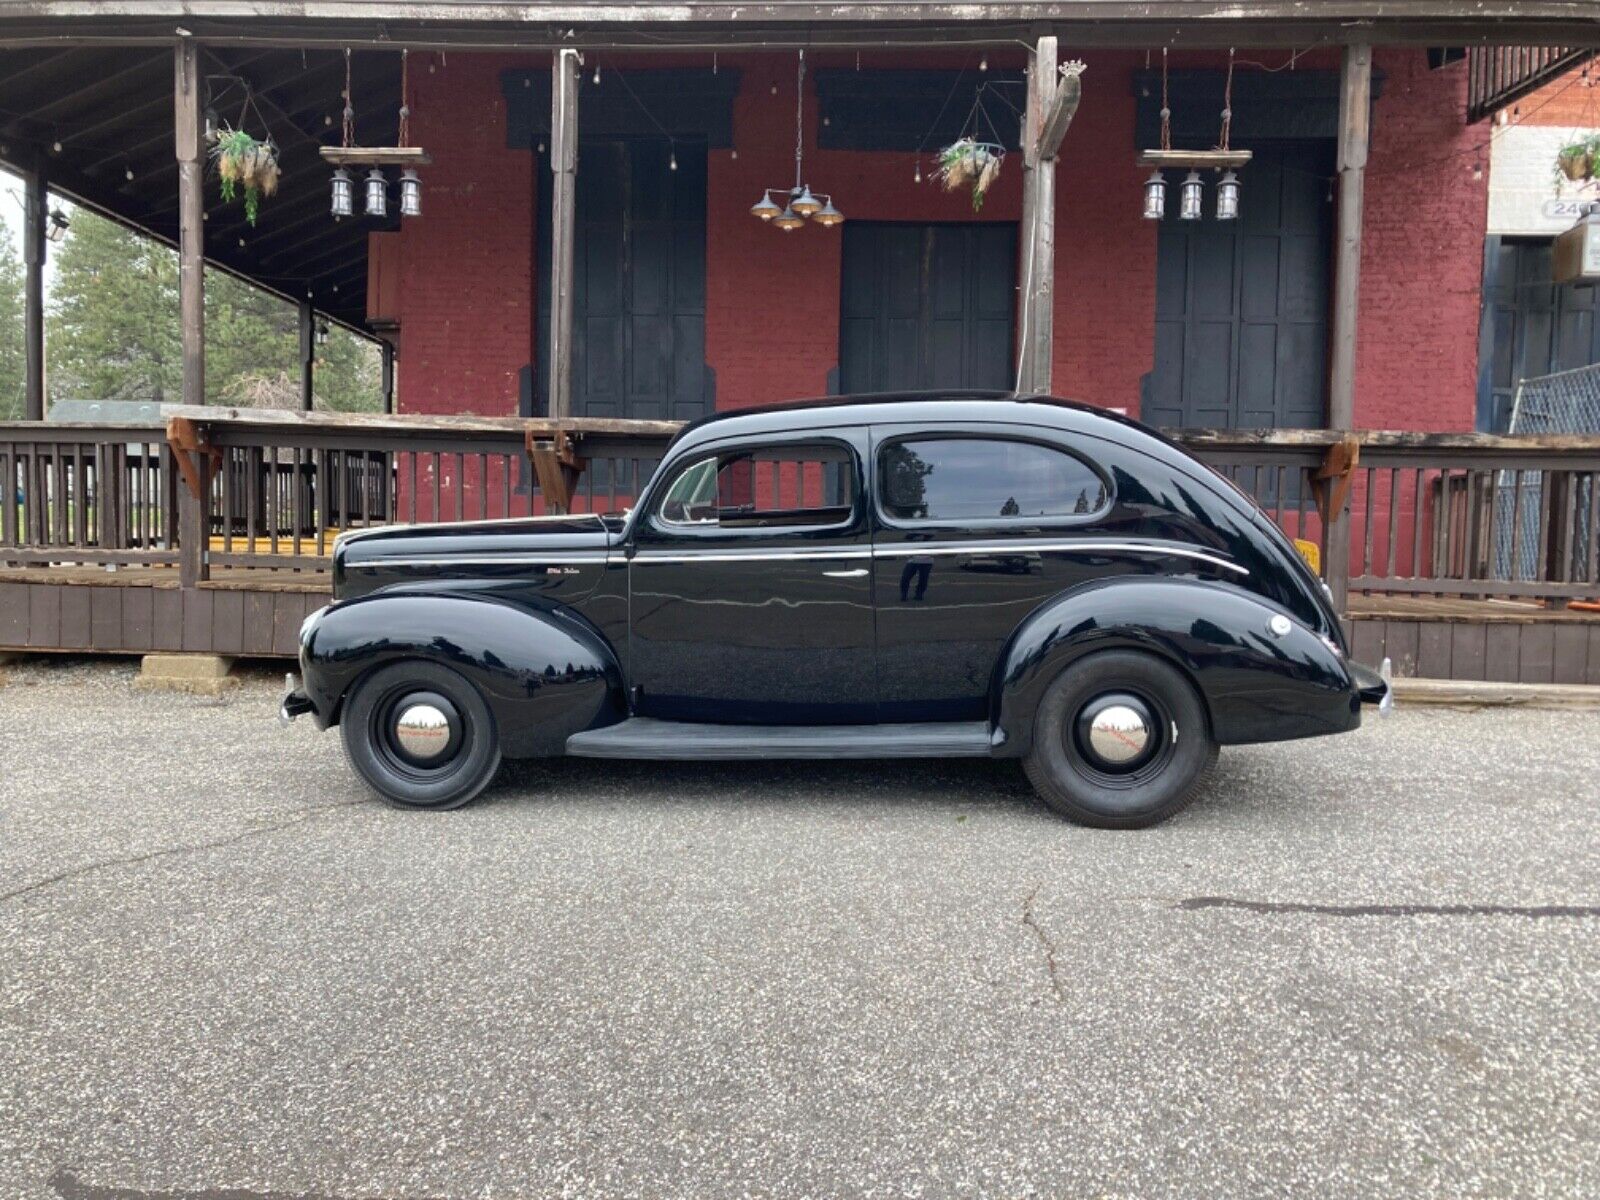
(243, 160)
(13, 373)
(114, 335)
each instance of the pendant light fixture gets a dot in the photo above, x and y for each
(343, 203)
(1192, 197)
(375, 159)
(1155, 197)
(1228, 197)
(800, 202)
(410, 193)
(377, 194)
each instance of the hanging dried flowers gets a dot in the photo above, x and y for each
(247, 164)
(968, 162)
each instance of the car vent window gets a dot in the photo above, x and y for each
(975, 479)
(764, 487)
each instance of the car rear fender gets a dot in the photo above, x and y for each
(1258, 684)
(545, 673)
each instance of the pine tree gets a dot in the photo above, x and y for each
(13, 370)
(114, 332)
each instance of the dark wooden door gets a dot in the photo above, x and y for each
(1530, 325)
(639, 282)
(1242, 306)
(927, 306)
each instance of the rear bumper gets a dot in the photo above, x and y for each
(1373, 686)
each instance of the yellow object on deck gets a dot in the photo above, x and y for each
(1311, 552)
(262, 544)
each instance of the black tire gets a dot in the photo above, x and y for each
(1170, 758)
(451, 774)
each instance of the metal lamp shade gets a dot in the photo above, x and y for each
(828, 215)
(1155, 197)
(342, 198)
(765, 208)
(1193, 197)
(377, 194)
(1228, 197)
(410, 194)
(805, 203)
(788, 220)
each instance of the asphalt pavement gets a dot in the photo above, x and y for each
(1365, 966)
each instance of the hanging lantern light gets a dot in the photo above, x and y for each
(805, 203)
(410, 193)
(342, 202)
(56, 227)
(1228, 197)
(828, 216)
(1193, 196)
(377, 194)
(765, 208)
(788, 220)
(1155, 197)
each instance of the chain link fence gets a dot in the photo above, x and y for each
(1565, 402)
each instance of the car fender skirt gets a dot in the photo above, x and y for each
(1262, 678)
(544, 674)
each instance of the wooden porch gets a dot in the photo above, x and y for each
(1471, 557)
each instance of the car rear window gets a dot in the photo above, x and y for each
(975, 479)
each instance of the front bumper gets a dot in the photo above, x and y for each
(1374, 687)
(295, 703)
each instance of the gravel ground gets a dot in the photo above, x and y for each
(1363, 967)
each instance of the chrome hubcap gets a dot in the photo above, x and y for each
(422, 732)
(1118, 734)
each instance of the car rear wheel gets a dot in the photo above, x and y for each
(421, 736)
(1120, 741)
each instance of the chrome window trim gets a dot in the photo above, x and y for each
(529, 560)
(915, 550)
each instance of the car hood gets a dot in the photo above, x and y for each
(573, 548)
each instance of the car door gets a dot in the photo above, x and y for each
(974, 529)
(750, 585)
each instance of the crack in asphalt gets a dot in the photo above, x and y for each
(1046, 943)
(68, 1186)
(300, 816)
(1275, 908)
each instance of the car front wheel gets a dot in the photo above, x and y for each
(421, 736)
(1120, 741)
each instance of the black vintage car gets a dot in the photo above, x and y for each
(899, 576)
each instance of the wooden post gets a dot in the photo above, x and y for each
(1355, 113)
(1051, 103)
(564, 169)
(36, 215)
(388, 376)
(308, 355)
(190, 130)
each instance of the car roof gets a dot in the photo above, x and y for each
(932, 407)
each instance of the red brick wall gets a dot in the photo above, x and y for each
(772, 321)
(467, 275)
(1427, 195)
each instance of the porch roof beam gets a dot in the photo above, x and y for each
(792, 24)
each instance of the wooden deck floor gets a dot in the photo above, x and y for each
(245, 612)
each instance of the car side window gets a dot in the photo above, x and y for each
(763, 487)
(979, 478)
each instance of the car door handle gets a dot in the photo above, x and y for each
(852, 573)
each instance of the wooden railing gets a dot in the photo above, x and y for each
(1423, 514)
(100, 494)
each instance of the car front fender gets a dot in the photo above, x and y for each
(545, 674)
(1258, 685)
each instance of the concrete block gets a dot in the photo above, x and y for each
(198, 674)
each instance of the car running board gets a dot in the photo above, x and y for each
(646, 737)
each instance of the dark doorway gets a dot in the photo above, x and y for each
(1530, 325)
(1242, 306)
(639, 281)
(927, 306)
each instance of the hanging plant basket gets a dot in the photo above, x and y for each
(969, 163)
(247, 167)
(1576, 162)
